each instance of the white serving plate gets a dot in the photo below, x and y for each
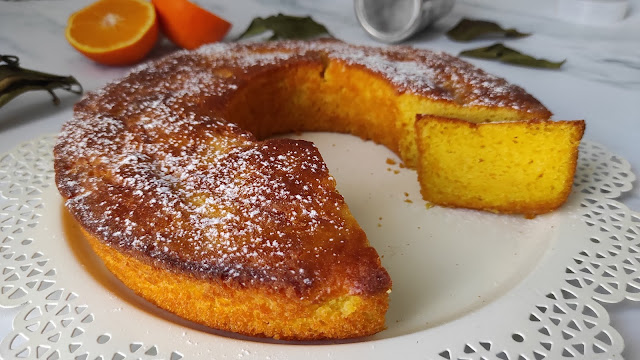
(466, 284)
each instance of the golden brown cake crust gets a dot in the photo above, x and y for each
(152, 168)
(279, 315)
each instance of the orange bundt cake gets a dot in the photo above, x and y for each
(523, 167)
(171, 174)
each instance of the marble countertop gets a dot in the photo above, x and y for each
(600, 81)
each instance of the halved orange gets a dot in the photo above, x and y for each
(114, 32)
(188, 25)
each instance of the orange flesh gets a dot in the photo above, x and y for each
(105, 25)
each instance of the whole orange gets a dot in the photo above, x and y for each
(188, 25)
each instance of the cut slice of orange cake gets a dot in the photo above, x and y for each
(523, 167)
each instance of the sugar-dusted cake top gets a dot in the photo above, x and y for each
(150, 165)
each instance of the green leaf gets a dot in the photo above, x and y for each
(15, 80)
(507, 55)
(285, 27)
(468, 29)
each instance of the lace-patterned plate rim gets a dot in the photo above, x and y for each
(592, 254)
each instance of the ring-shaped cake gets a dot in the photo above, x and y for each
(173, 176)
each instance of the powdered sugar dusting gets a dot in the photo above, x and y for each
(437, 75)
(149, 164)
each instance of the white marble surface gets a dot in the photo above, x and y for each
(600, 81)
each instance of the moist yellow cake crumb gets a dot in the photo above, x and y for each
(523, 167)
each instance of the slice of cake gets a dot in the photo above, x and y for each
(173, 176)
(523, 167)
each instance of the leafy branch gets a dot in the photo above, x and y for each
(15, 80)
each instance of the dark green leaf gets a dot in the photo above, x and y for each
(15, 80)
(468, 29)
(507, 55)
(285, 27)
